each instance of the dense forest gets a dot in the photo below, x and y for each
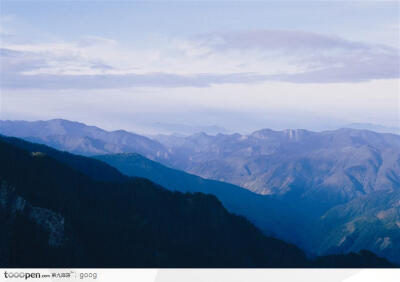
(56, 210)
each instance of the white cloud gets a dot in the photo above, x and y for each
(200, 61)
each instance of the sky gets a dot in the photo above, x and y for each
(147, 65)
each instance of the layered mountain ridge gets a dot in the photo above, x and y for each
(351, 162)
(55, 216)
(81, 139)
(315, 186)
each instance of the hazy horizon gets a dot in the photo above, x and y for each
(159, 129)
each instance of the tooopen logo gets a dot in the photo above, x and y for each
(25, 275)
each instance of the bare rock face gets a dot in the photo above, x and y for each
(339, 165)
(13, 205)
(40, 229)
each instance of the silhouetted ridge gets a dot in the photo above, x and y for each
(310, 180)
(362, 259)
(95, 169)
(120, 224)
(55, 216)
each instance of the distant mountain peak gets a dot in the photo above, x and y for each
(291, 134)
(80, 138)
(373, 127)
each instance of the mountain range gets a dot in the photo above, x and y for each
(374, 127)
(329, 192)
(81, 139)
(54, 215)
(367, 222)
(325, 180)
(355, 162)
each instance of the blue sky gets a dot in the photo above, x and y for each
(129, 64)
(122, 20)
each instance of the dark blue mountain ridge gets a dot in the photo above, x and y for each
(55, 216)
(303, 175)
(236, 199)
(368, 222)
(263, 211)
